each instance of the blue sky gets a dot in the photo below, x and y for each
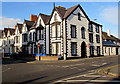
(106, 13)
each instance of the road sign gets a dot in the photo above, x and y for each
(38, 45)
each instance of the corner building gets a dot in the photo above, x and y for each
(72, 34)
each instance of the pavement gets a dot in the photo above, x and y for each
(69, 60)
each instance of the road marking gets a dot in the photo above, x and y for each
(65, 66)
(91, 71)
(6, 69)
(93, 75)
(102, 81)
(104, 63)
(73, 68)
(95, 65)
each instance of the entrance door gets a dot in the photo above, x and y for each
(83, 50)
(109, 51)
(116, 51)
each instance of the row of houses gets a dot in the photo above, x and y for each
(66, 32)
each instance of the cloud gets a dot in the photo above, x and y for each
(110, 14)
(5, 22)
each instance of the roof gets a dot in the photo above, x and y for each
(5, 31)
(109, 44)
(95, 23)
(12, 31)
(70, 10)
(61, 10)
(20, 27)
(45, 18)
(29, 24)
(117, 39)
(111, 37)
(1, 33)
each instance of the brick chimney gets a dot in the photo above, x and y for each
(33, 18)
(15, 26)
(108, 31)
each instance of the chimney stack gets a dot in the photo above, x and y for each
(33, 18)
(109, 33)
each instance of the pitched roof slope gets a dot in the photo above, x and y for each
(29, 24)
(61, 10)
(6, 31)
(1, 33)
(70, 10)
(111, 37)
(12, 31)
(45, 18)
(19, 27)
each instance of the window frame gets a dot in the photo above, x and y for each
(74, 44)
(83, 33)
(73, 33)
(79, 16)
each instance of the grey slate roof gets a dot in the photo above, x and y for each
(109, 44)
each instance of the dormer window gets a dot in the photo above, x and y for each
(55, 17)
(79, 16)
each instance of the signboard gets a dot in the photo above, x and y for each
(38, 44)
(41, 41)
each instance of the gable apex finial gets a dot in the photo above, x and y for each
(54, 4)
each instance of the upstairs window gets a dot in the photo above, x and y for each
(53, 31)
(97, 38)
(30, 36)
(73, 31)
(42, 34)
(83, 32)
(91, 37)
(79, 16)
(90, 28)
(58, 30)
(25, 37)
(34, 36)
(97, 28)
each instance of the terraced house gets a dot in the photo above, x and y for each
(67, 32)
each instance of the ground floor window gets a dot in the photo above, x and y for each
(91, 50)
(74, 48)
(56, 48)
(98, 50)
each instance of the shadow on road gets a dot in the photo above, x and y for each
(14, 61)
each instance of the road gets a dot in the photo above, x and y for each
(70, 71)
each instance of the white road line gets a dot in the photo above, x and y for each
(102, 81)
(6, 69)
(95, 65)
(93, 75)
(65, 66)
(91, 71)
(104, 63)
(82, 69)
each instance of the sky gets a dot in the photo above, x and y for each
(106, 13)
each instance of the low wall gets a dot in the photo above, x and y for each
(46, 58)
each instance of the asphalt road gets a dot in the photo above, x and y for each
(61, 72)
